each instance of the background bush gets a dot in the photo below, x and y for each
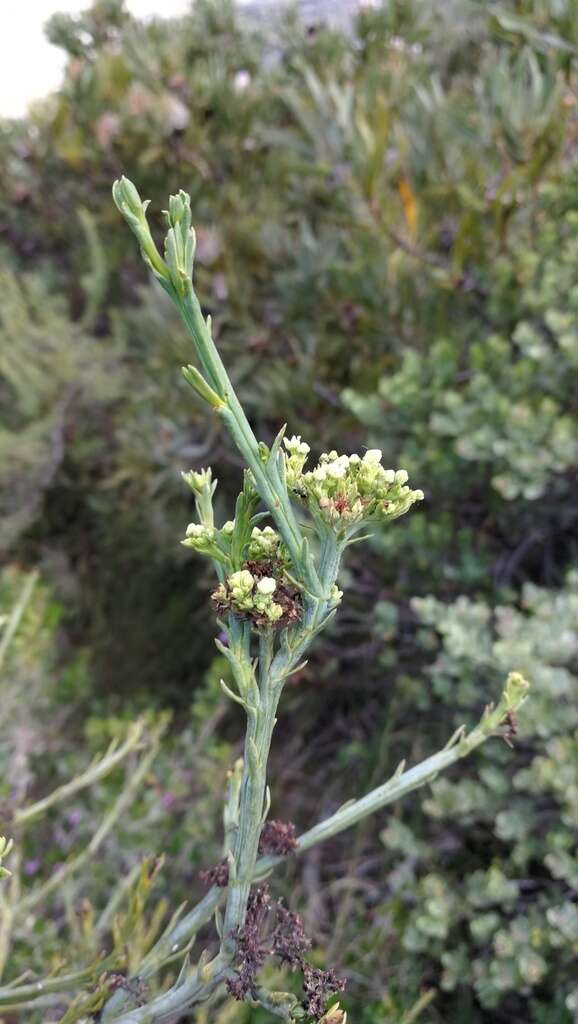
(388, 245)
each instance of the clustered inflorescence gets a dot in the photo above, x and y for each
(208, 540)
(255, 584)
(260, 592)
(341, 493)
(247, 595)
(289, 943)
(278, 837)
(346, 490)
(277, 576)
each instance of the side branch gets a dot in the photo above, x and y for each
(402, 782)
(96, 771)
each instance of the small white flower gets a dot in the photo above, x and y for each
(354, 460)
(267, 585)
(373, 456)
(228, 527)
(296, 445)
(198, 481)
(241, 80)
(388, 476)
(196, 530)
(401, 477)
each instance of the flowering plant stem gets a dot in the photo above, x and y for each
(276, 592)
(267, 478)
(401, 783)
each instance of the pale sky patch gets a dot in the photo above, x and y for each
(30, 67)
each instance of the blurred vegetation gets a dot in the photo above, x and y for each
(388, 245)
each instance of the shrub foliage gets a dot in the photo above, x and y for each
(387, 241)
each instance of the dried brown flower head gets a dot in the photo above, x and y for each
(278, 837)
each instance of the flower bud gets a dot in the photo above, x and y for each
(127, 199)
(295, 444)
(132, 208)
(241, 580)
(515, 690)
(199, 480)
(264, 543)
(348, 490)
(373, 456)
(195, 530)
(267, 585)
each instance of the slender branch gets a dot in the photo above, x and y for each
(402, 782)
(122, 803)
(96, 771)
(9, 897)
(253, 785)
(232, 413)
(123, 886)
(14, 995)
(16, 615)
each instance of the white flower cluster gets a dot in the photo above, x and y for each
(207, 540)
(295, 459)
(247, 594)
(199, 480)
(264, 543)
(347, 489)
(201, 538)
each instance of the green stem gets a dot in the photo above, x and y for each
(196, 988)
(98, 770)
(60, 983)
(70, 867)
(268, 483)
(17, 614)
(251, 806)
(402, 783)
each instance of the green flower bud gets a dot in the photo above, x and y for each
(516, 690)
(264, 543)
(241, 585)
(295, 458)
(132, 208)
(180, 242)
